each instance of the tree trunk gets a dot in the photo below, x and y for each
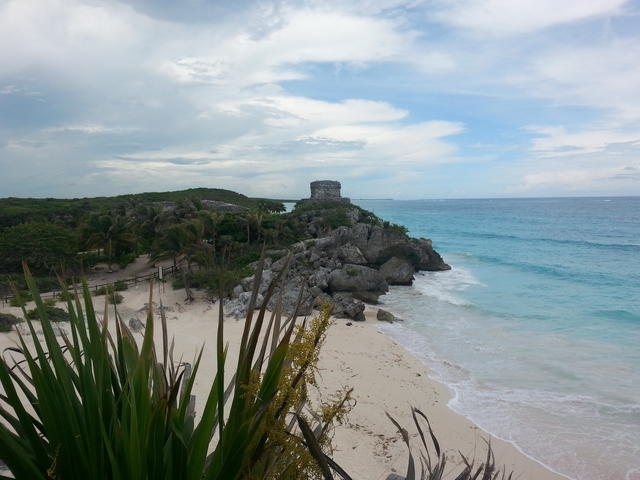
(187, 289)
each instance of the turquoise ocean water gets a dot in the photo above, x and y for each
(536, 329)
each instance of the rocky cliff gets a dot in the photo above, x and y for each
(351, 257)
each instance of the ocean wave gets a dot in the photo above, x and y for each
(632, 247)
(442, 285)
(618, 315)
(555, 272)
(531, 416)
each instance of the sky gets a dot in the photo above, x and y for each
(393, 98)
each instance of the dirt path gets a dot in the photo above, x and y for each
(140, 267)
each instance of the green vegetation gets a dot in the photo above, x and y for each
(20, 299)
(7, 321)
(69, 212)
(67, 237)
(394, 227)
(42, 245)
(146, 426)
(118, 286)
(115, 298)
(336, 218)
(352, 273)
(54, 314)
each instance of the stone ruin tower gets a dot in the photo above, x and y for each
(326, 191)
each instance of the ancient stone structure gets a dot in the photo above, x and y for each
(326, 191)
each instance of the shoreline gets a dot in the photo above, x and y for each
(385, 376)
(435, 377)
(455, 431)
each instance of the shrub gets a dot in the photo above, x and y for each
(101, 291)
(7, 321)
(211, 279)
(118, 286)
(336, 218)
(115, 298)
(124, 260)
(20, 299)
(67, 295)
(103, 407)
(394, 227)
(54, 314)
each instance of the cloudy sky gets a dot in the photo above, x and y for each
(394, 98)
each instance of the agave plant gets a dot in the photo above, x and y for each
(433, 461)
(96, 404)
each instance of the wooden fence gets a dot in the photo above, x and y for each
(166, 272)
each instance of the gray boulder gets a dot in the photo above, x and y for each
(379, 244)
(135, 324)
(322, 298)
(349, 253)
(357, 278)
(429, 259)
(367, 297)
(345, 306)
(279, 264)
(320, 278)
(265, 281)
(237, 290)
(397, 271)
(238, 307)
(385, 316)
(290, 292)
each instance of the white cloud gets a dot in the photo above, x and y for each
(593, 180)
(305, 36)
(89, 129)
(496, 17)
(66, 37)
(557, 142)
(344, 139)
(190, 100)
(604, 76)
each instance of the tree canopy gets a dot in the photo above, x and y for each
(43, 245)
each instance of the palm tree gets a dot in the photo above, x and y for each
(256, 218)
(149, 219)
(111, 233)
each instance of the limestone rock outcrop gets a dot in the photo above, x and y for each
(345, 265)
(397, 271)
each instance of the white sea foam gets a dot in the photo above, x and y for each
(522, 410)
(443, 285)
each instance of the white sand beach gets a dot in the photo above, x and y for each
(384, 377)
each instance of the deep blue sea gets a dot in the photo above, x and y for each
(536, 329)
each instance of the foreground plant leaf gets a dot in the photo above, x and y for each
(92, 403)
